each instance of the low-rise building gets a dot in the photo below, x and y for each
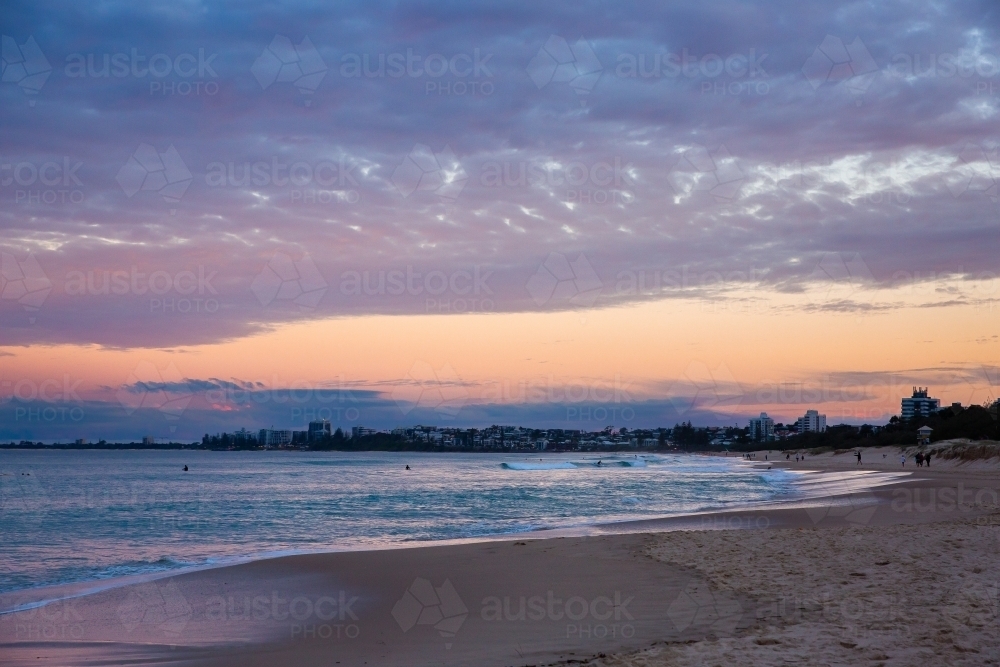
(274, 438)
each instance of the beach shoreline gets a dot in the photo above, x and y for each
(622, 590)
(807, 494)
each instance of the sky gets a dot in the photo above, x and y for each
(221, 215)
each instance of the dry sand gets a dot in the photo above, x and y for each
(902, 574)
(897, 595)
(947, 456)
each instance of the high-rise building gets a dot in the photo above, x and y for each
(811, 422)
(319, 430)
(920, 404)
(762, 428)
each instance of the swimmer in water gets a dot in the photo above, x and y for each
(185, 468)
(407, 467)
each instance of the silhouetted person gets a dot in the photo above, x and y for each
(927, 459)
(407, 467)
(185, 468)
(858, 454)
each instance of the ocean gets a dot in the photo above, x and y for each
(77, 516)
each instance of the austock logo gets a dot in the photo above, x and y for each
(976, 604)
(700, 608)
(424, 387)
(425, 170)
(705, 388)
(22, 491)
(436, 606)
(559, 62)
(842, 500)
(163, 608)
(700, 170)
(24, 282)
(976, 170)
(843, 283)
(284, 62)
(601, 617)
(851, 65)
(284, 279)
(979, 386)
(149, 170)
(24, 65)
(152, 388)
(559, 280)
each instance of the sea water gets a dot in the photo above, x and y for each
(74, 516)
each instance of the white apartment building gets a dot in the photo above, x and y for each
(271, 438)
(762, 428)
(811, 422)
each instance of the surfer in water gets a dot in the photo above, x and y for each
(185, 468)
(407, 467)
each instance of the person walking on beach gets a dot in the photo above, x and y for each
(902, 460)
(927, 459)
(858, 454)
(920, 460)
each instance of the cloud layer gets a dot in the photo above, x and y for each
(183, 174)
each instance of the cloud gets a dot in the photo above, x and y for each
(699, 171)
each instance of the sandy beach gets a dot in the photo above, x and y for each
(901, 573)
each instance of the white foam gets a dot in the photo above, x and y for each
(525, 465)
